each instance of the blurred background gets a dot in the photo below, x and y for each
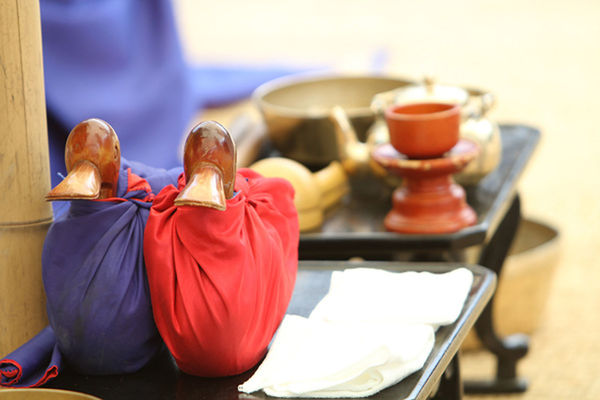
(540, 58)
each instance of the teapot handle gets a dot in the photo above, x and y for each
(381, 101)
(488, 101)
(485, 101)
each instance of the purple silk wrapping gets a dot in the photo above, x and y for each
(95, 281)
(98, 302)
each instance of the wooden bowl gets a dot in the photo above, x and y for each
(423, 130)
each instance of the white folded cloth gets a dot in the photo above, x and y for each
(371, 295)
(311, 358)
(370, 331)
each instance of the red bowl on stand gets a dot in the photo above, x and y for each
(425, 151)
(424, 130)
(428, 200)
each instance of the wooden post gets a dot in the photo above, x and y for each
(24, 174)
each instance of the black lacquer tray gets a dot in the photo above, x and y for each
(162, 380)
(355, 228)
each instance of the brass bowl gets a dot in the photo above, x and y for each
(296, 111)
(45, 394)
(526, 281)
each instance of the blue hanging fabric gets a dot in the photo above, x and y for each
(122, 61)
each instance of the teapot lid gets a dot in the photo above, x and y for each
(429, 91)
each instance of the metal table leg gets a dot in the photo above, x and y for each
(511, 349)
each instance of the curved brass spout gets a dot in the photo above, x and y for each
(354, 154)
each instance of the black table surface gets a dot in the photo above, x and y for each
(162, 380)
(355, 228)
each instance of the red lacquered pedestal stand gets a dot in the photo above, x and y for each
(425, 150)
(428, 201)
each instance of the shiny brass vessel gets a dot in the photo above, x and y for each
(296, 110)
(316, 119)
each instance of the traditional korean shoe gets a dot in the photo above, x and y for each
(209, 162)
(93, 159)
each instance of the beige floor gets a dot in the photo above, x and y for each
(541, 59)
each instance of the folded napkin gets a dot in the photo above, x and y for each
(371, 330)
(311, 358)
(371, 295)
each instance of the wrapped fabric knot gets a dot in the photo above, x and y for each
(95, 281)
(97, 292)
(221, 281)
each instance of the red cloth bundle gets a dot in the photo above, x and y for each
(220, 281)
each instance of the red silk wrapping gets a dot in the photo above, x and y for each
(220, 281)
